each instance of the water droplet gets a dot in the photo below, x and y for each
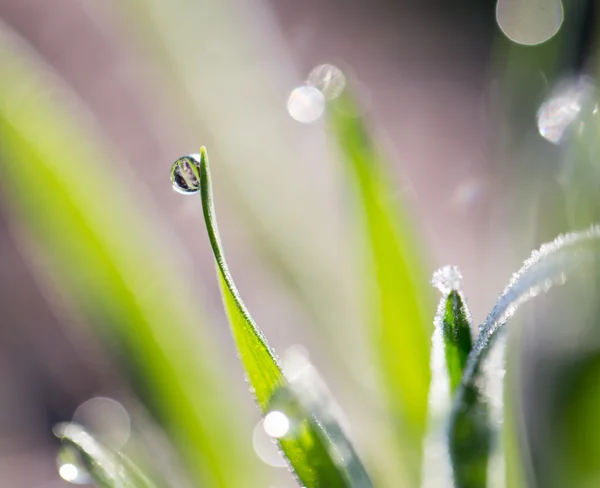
(276, 424)
(558, 112)
(71, 468)
(555, 115)
(306, 104)
(447, 279)
(106, 419)
(185, 174)
(329, 79)
(529, 22)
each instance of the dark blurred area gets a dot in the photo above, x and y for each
(451, 99)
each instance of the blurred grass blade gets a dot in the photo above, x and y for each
(93, 233)
(312, 393)
(472, 424)
(108, 469)
(306, 444)
(398, 296)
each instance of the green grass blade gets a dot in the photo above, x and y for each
(456, 327)
(99, 244)
(450, 346)
(454, 320)
(225, 116)
(107, 468)
(471, 431)
(397, 294)
(308, 446)
(260, 363)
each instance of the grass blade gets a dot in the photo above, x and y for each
(450, 345)
(471, 427)
(99, 244)
(307, 268)
(312, 393)
(107, 468)
(307, 445)
(454, 320)
(457, 337)
(398, 298)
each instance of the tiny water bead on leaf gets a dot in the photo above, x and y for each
(185, 174)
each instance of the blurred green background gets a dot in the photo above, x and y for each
(108, 286)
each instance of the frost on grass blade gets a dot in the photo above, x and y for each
(454, 322)
(477, 408)
(108, 469)
(450, 344)
(311, 444)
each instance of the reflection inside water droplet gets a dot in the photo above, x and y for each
(185, 174)
(276, 424)
(329, 79)
(71, 468)
(447, 279)
(306, 104)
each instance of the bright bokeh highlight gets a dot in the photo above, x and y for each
(276, 424)
(558, 112)
(529, 22)
(306, 104)
(265, 448)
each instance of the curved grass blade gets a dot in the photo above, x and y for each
(89, 231)
(472, 424)
(107, 468)
(398, 296)
(277, 232)
(307, 445)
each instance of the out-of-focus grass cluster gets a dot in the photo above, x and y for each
(435, 402)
